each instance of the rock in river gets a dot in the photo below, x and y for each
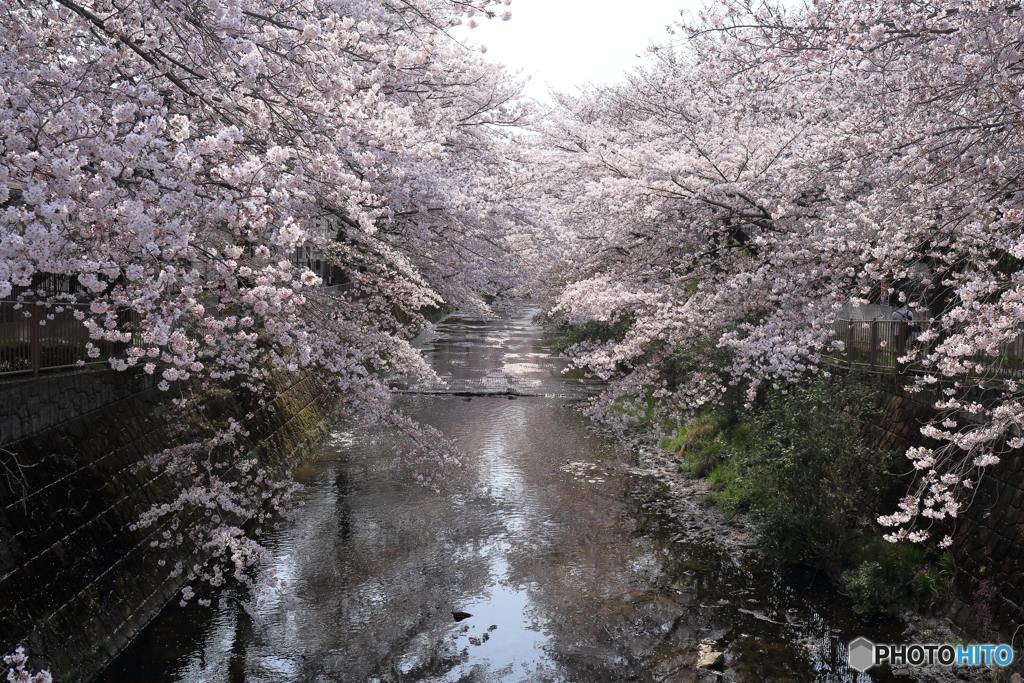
(711, 659)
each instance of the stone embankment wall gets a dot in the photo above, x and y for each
(76, 583)
(988, 539)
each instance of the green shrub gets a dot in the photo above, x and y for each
(800, 466)
(721, 477)
(705, 457)
(810, 479)
(702, 427)
(891, 576)
(931, 581)
(873, 591)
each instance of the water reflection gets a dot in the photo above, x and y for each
(567, 564)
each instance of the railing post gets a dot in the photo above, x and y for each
(109, 347)
(33, 339)
(874, 342)
(849, 343)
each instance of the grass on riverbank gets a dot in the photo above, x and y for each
(799, 465)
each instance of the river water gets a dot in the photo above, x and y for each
(573, 567)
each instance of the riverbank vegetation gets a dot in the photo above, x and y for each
(800, 465)
(798, 460)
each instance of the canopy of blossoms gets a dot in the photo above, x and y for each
(770, 168)
(773, 167)
(169, 157)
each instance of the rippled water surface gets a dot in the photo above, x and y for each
(569, 565)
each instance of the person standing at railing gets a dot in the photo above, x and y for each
(902, 318)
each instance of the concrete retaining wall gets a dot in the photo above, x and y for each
(76, 583)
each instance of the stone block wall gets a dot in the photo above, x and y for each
(989, 546)
(76, 583)
(37, 403)
(988, 538)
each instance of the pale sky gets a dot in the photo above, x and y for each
(566, 42)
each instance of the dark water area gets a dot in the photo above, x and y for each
(571, 566)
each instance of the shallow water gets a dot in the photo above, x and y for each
(570, 566)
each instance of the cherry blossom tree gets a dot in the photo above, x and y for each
(771, 167)
(168, 158)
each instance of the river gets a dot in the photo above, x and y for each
(573, 567)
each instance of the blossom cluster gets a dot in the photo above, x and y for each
(17, 673)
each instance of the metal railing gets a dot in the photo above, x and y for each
(38, 336)
(878, 344)
(45, 336)
(41, 336)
